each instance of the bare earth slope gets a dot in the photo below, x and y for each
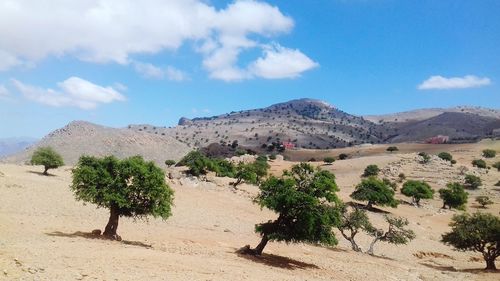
(44, 232)
(79, 138)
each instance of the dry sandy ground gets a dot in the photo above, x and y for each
(44, 235)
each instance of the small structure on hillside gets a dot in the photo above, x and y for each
(438, 139)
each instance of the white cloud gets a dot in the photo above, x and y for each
(279, 62)
(74, 91)
(151, 71)
(442, 83)
(105, 31)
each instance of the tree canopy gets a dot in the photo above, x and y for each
(304, 199)
(375, 192)
(417, 190)
(371, 170)
(129, 187)
(454, 196)
(489, 153)
(479, 232)
(396, 233)
(472, 181)
(47, 157)
(445, 156)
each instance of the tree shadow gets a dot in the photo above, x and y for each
(41, 174)
(363, 207)
(453, 269)
(90, 235)
(276, 261)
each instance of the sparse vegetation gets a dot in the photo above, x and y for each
(170, 163)
(303, 199)
(484, 201)
(425, 158)
(329, 160)
(417, 190)
(353, 222)
(480, 163)
(125, 187)
(445, 156)
(472, 182)
(343, 156)
(371, 170)
(496, 165)
(489, 153)
(401, 177)
(375, 192)
(454, 196)
(391, 149)
(48, 158)
(396, 233)
(479, 232)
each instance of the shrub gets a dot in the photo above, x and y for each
(197, 163)
(489, 153)
(129, 187)
(453, 161)
(371, 170)
(425, 157)
(472, 181)
(303, 199)
(392, 149)
(48, 158)
(343, 156)
(244, 172)
(417, 190)
(395, 234)
(272, 157)
(479, 232)
(484, 201)
(496, 165)
(329, 160)
(401, 177)
(479, 163)
(454, 196)
(170, 163)
(375, 192)
(445, 156)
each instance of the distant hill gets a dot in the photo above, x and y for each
(303, 123)
(10, 146)
(79, 137)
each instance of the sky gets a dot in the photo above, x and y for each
(120, 62)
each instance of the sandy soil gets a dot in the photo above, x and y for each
(44, 234)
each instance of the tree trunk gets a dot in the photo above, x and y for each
(258, 250)
(354, 245)
(372, 244)
(112, 226)
(45, 171)
(490, 264)
(369, 206)
(444, 206)
(238, 181)
(417, 201)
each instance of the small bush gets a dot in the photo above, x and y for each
(401, 177)
(272, 157)
(391, 149)
(343, 156)
(445, 156)
(479, 163)
(472, 181)
(425, 157)
(371, 170)
(489, 153)
(329, 160)
(170, 163)
(484, 201)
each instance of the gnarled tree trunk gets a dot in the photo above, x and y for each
(354, 245)
(490, 260)
(112, 226)
(258, 250)
(45, 169)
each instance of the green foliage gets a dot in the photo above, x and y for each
(453, 161)
(472, 181)
(351, 223)
(305, 200)
(417, 190)
(374, 191)
(480, 163)
(392, 149)
(489, 153)
(390, 183)
(129, 187)
(47, 157)
(170, 163)
(445, 156)
(496, 165)
(245, 172)
(454, 196)
(425, 157)
(396, 233)
(484, 201)
(343, 156)
(329, 160)
(261, 158)
(240, 152)
(371, 170)
(479, 232)
(222, 168)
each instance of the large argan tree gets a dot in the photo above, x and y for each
(375, 192)
(305, 200)
(131, 187)
(48, 158)
(479, 232)
(418, 190)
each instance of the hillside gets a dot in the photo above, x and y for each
(13, 145)
(78, 138)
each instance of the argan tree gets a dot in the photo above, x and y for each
(480, 163)
(129, 188)
(454, 196)
(329, 160)
(371, 170)
(170, 162)
(343, 156)
(489, 153)
(197, 162)
(375, 192)
(425, 157)
(305, 200)
(484, 201)
(417, 190)
(472, 181)
(391, 149)
(396, 233)
(353, 222)
(479, 232)
(48, 158)
(445, 156)
(244, 173)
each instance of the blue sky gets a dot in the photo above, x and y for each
(115, 63)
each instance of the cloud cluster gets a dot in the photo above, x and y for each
(105, 31)
(442, 83)
(73, 91)
(151, 71)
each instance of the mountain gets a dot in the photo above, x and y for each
(10, 146)
(303, 123)
(79, 137)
